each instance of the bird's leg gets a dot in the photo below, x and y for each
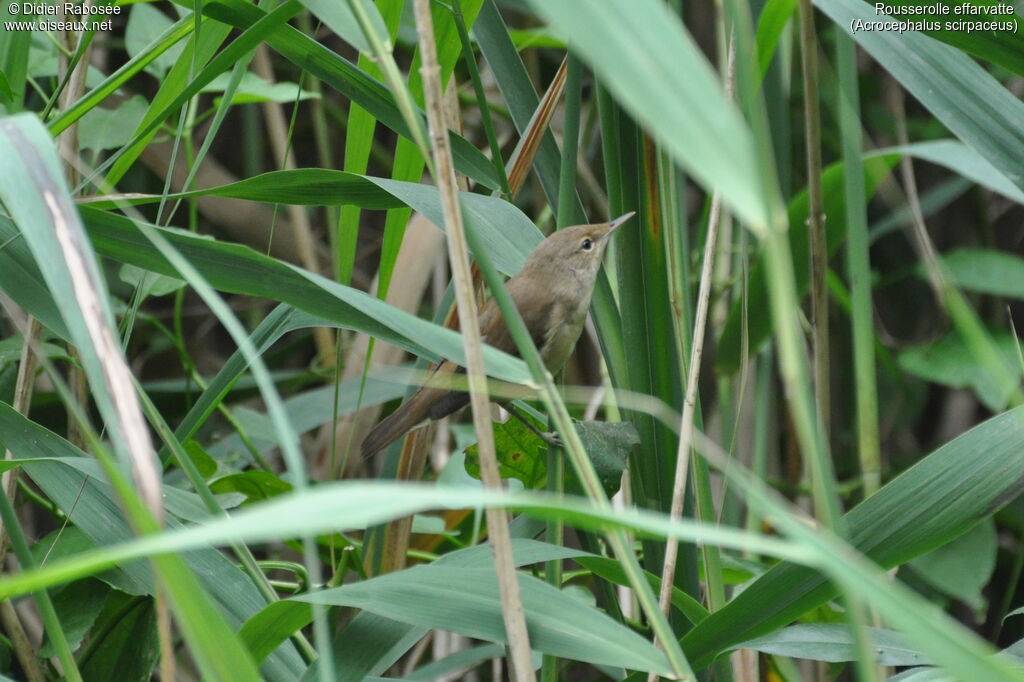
(550, 437)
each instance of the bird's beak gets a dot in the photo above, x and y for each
(614, 225)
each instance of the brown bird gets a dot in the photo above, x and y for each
(552, 293)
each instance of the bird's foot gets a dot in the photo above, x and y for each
(552, 439)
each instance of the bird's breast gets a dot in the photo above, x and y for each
(564, 330)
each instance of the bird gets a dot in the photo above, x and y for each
(552, 292)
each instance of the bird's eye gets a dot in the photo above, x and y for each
(587, 244)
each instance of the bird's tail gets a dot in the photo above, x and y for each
(395, 425)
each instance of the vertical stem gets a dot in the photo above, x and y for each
(815, 219)
(443, 170)
(858, 267)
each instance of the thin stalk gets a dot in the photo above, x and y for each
(815, 218)
(443, 170)
(858, 267)
(759, 458)
(481, 97)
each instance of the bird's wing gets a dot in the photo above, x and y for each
(534, 306)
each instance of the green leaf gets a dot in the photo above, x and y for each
(72, 540)
(239, 269)
(77, 605)
(521, 454)
(833, 643)
(506, 232)
(465, 600)
(608, 444)
(109, 128)
(145, 24)
(271, 626)
(129, 648)
(770, 25)
(255, 485)
(205, 464)
(985, 271)
(148, 283)
(252, 88)
(950, 362)
(964, 567)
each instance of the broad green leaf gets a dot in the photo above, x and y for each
(252, 88)
(69, 541)
(509, 235)
(334, 507)
(929, 505)
(521, 454)
(146, 24)
(964, 567)
(645, 56)
(109, 128)
(833, 643)
(608, 444)
(950, 362)
(78, 605)
(254, 484)
(985, 271)
(466, 600)
(129, 648)
(239, 269)
(773, 20)
(271, 626)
